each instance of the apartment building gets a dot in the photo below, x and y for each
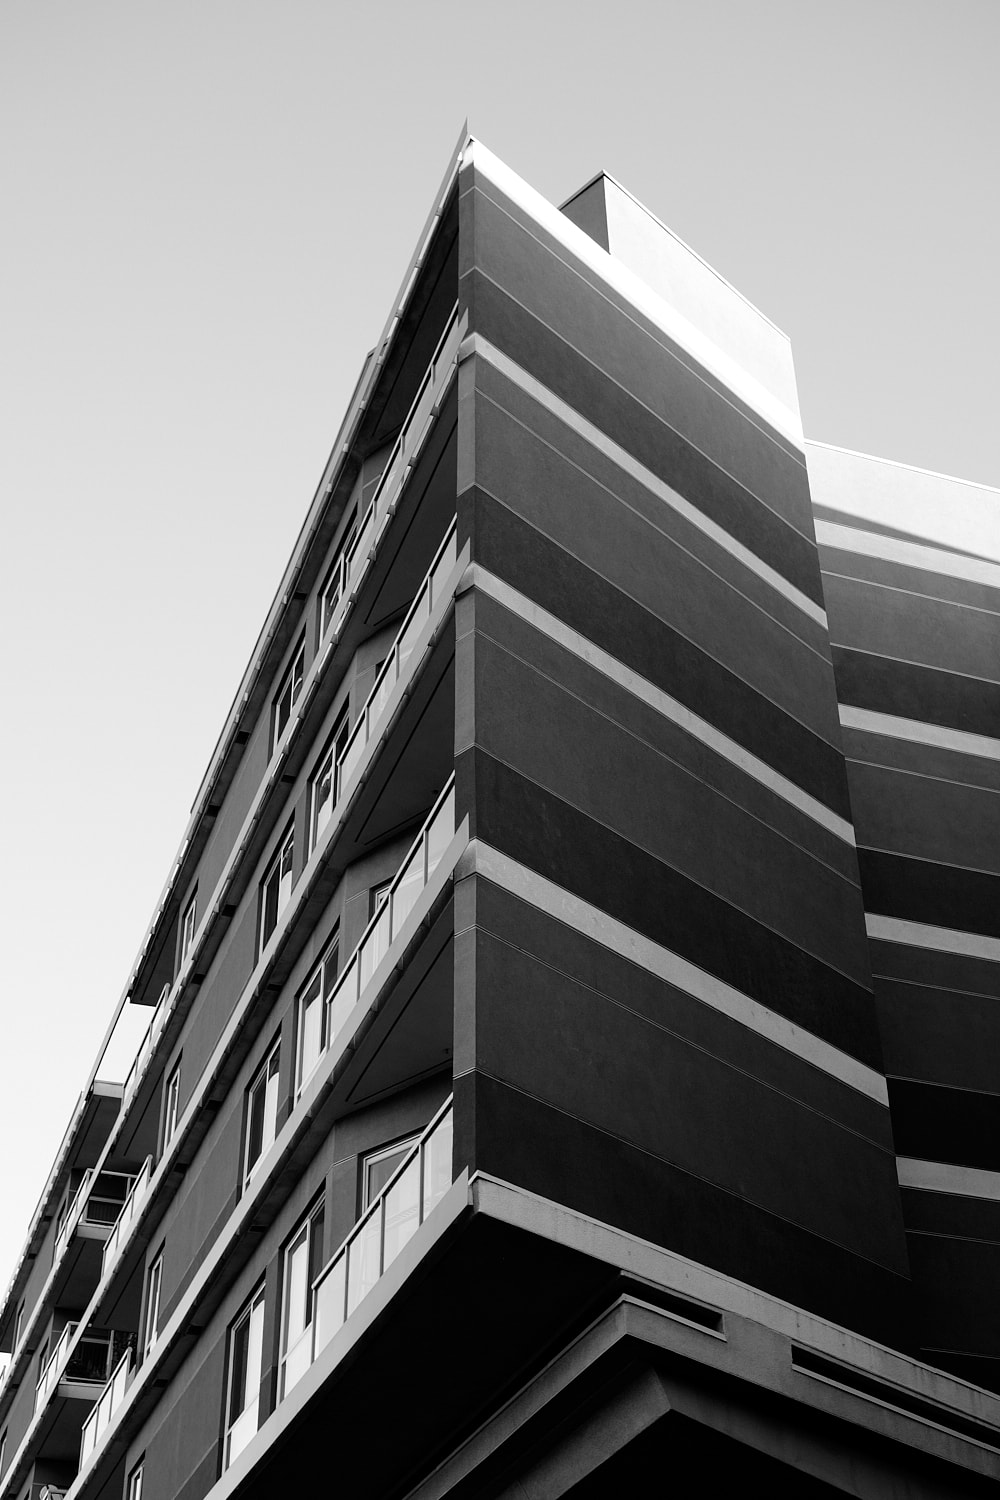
(573, 1045)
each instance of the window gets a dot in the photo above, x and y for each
(188, 923)
(303, 1263)
(276, 888)
(336, 580)
(262, 1112)
(323, 789)
(246, 1346)
(133, 1490)
(288, 692)
(377, 897)
(171, 1103)
(3, 1449)
(18, 1325)
(152, 1316)
(314, 1026)
(378, 1166)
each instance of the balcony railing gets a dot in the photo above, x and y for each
(412, 1192)
(413, 875)
(404, 452)
(128, 1212)
(395, 663)
(52, 1368)
(146, 1046)
(105, 1407)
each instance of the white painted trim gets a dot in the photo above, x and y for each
(941, 939)
(561, 904)
(624, 460)
(669, 707)
(919, 732)
(944, 1177)
(627, 284)
(909, 554)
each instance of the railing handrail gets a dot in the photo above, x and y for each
(54, 1354)
(126, 1214)
(94, 1416)
(365, 723)
(149, 1037)
(72, 1213)
(376, 1203)
(384, 912)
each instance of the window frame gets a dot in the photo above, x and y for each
(338, 567)
(369, 1159)
(256, 1301)
(284, 847)
(334, 748)
(133, 1484)
(171, 1103)
(151, 1303)
(290, 683)
(268, 1069)
(329, 961)
(308, 1233)
(18, 1327)
(189, 925)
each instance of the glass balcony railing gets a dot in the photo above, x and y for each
(105, 1407)
(53, 1366)
(413, 875)
(146, 1046)
(404, 451)
(127, 1213)
(394, 665)
(412, 1192)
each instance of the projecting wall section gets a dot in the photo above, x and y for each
(663, 1005)
(916, 635)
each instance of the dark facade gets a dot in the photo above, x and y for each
(572, 1042)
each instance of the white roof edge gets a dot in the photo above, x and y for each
(895, 463)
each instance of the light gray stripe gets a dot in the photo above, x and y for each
(940, 939)
(645, 477)
(625, 941)
(912, 554)
(942, 1177)
(669, 707)
(919, 732)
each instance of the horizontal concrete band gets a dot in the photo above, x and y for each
(641, 687)
(639, 293)
(941, 939)
(624, 460)
(919, 732)
(943, 1177)
(910, 554)
(561, 904)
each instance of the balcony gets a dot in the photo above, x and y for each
(404, 1203)
(105, 1407)
(409, 882)
(128, 1211)
(52, 1368)
(147, 1046)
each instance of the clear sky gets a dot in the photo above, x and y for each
(207, 209)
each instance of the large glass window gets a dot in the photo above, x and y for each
(303, 1263)
(288, 692)
(151, 1321)
(336, 579)
(133, 1490)
(323, 788)
(246, 1346)
(276, 888)
(188, 924)
(378, 1167)
(171, 1105)
(313, 1013)
(262, 1112)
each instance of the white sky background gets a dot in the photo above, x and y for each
(206, 212)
